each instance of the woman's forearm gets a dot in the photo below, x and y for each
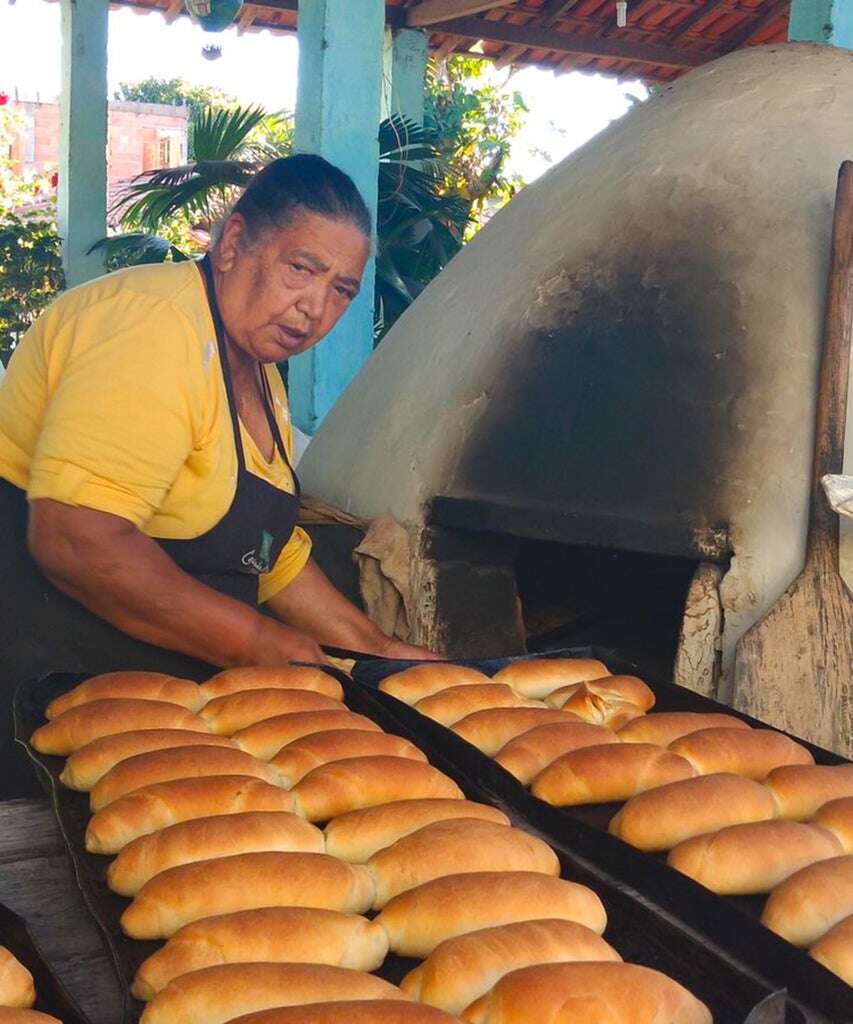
(126, 578)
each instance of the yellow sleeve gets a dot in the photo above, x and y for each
(126, 408)
(290, 564)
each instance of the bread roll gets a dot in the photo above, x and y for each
(609, 690)
(91, 763)
(662, 818)
(269, 935)
(598, 775)
(366, 1012)
(236, 711)
(588, 993)
(418, 920)
(753, 753)
(837, 817)
(805, 906)
(540, 676)
(419, 681)
(582, 700)
(167, 803)
(341, 786)
(527, 754)
(295, 760)
(16, 983)
(271, 677)
(742, 860)
(457, 847)
(245, 881)
(801, 790)
(265, 739)
(461, 970)
(10, 1015)
(137, 685)
(491, 729)
(78, 726)
(205, 838)
(449, 706)
(835, 950)
(177, 763)
(216, 995)
(664, 727)
(357, 835)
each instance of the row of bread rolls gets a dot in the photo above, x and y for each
(18, 993)
(249, 900)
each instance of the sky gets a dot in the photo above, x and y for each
(564, 111)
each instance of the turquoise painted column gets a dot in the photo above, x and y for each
(822, 21)
(338, 104)
(408, 73)
(82, 190)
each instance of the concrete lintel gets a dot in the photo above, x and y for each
(822, 21)
(408, 73)
(82, 190)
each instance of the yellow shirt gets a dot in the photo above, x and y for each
(114, 400)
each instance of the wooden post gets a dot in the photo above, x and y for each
(822, 21)
(82, 190)
(337, 116)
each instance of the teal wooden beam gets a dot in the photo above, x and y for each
(82, 189)
(338, 109)
(822, 21)
(408, 73)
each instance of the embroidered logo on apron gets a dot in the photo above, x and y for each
(259, 558)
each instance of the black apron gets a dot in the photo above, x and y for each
(42, 630)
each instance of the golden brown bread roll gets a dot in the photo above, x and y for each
(587, 993)
(91, 763)
(271, 677)
(366, 1012)
(16, 983)
(742, 860)
(177, 763)
(457, 847)
(835, 950)
(236, 711)
(78, 726)
(598, 775)
(341, 786)
(245, 881)
(11, 1015)
(491, 729)
(419, 681)
(205, 838)
(216, 995)
(540, 676)
(837, 818)
(608, 690)
(664, 727)
(269, 935)
(137, 685)
(527, 754)
(418, 920)
(448, 706)
(805, 906)
(357, 835)
(265, 739)
(662, 818)
(753, 753)
(462, 969)
(801, 790)
(294, 761)
(167, 803)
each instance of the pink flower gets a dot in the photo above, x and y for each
(54, 179)
(4, 99)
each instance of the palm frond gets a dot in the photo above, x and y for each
(220, 134)
(137, 247)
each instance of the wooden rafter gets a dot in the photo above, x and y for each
(432, 12)
(245, 18)
(555, 9)
(509, 56)
(746, 35)
(705, 11)
(536, 37)
(173, 11)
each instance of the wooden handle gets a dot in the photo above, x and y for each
(834, 371)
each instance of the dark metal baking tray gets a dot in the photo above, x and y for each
(642, 931)
(730, 924)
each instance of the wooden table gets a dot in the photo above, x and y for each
(36, 881)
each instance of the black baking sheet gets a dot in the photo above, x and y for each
(642, 932)
(51, 996)
(729, 923)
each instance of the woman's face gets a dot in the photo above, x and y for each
(285, 293)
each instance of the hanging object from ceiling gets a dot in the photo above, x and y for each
(213, 15)
(211, 52)
(621, 13)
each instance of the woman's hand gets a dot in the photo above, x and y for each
(277, 644)
(397, 650)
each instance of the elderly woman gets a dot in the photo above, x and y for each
(147, 495)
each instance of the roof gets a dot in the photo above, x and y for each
(661, 40)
